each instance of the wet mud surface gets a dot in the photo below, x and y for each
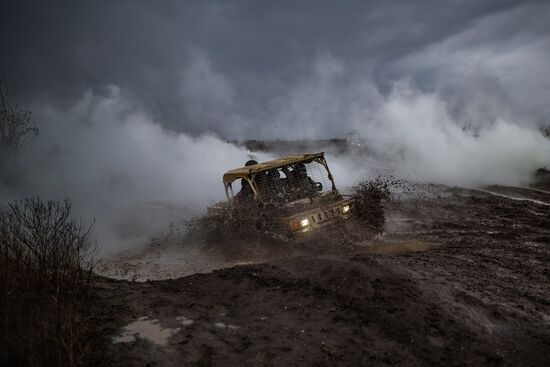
(460, 277)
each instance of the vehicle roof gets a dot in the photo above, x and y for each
(237, 173)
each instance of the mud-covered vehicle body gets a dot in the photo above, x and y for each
(291, 195)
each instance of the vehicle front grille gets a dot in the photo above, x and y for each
(325, 215)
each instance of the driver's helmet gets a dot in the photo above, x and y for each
(250, 162)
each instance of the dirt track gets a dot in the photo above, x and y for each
(460, 278)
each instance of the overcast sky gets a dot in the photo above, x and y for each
(257, 68)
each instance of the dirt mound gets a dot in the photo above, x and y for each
(459, 276)
(316, 311)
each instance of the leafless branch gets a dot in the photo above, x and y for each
(45, 283)
(17, 125)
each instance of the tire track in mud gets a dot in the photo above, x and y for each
(518, 193)
(539, 191)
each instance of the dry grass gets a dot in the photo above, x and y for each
(45, 285)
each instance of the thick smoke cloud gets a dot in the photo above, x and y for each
(416, 135)
(117, 165)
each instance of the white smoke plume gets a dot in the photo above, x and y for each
(109, 156)
(117, 165)
(417, 137)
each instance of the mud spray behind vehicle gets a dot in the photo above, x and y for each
(291, 196)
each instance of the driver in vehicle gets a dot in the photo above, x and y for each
(246, 195)
(270, 183)
(299, 177)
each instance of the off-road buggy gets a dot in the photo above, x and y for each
(290, 196)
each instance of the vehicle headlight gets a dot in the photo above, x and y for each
(345, 209)
(304, 222)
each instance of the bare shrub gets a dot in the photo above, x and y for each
(45, 283)
(369, 196)
(16, 125)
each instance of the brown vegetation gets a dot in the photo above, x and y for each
(45, 284)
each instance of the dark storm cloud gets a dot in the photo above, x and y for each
(250, 52)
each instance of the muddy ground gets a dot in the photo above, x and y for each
(460, 277)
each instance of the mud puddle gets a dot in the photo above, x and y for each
(147, 329)
(170, 262)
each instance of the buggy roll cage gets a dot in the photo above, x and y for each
(249, 173)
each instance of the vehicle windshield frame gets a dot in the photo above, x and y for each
(251, 177)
